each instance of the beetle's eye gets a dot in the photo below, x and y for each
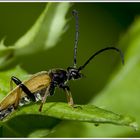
(73, 73)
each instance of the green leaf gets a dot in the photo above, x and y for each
(28, 126)
(44, 34)
(62, 111)
(34, 122)
(5, 79)
(47, 30)
(122, 93)
(11, 129)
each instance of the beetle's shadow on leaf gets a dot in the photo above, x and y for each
(23, 125)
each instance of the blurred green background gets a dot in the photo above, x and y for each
(101, 25)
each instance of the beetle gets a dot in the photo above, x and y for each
(43, 84)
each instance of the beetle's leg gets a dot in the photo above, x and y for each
(18, 94)
(47, 93)
(68, 94)
(52, 88)
(23, 87)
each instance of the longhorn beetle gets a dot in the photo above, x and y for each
(43, 84)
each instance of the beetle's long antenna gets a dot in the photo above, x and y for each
(75, 14)
(100, 51)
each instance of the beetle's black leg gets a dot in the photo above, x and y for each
(68, 94)
(18, 94)
(23, 87)
(52, 88)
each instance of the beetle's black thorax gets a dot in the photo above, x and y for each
(59, 76)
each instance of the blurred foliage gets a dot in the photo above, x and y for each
(115, 87)
(44, 34)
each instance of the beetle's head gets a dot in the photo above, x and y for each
(73, 73)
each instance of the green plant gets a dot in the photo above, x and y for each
(44, 36)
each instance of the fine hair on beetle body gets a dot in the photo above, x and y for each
(43, 84)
